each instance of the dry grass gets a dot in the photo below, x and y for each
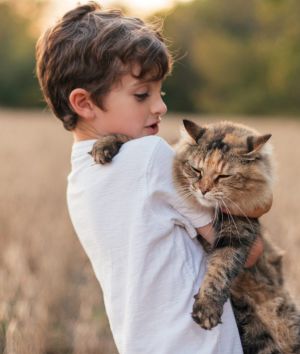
(50, 301)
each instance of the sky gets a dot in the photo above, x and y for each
(137, 7)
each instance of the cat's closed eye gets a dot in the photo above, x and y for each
(220, 177)
(198, 171)
(190, 167)
(195, 169)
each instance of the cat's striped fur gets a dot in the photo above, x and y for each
(228, 166)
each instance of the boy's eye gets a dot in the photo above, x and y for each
(141, 96)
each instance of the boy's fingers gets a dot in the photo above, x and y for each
(255, 252)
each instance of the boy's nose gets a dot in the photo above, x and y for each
(159, 108)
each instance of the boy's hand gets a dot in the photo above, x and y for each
(255, 213)
(255, 252)
(207, 232)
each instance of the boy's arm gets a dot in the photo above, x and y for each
(259, 211)
(207, 232)
(256, 212)
(258, 247)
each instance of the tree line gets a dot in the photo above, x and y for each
(231, 57)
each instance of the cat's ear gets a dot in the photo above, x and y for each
(194, 130)
(255, 143)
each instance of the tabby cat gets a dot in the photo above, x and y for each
(228, 166)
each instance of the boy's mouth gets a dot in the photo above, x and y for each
(154, 124)
(153, 127)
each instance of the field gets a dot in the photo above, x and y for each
(50, 301)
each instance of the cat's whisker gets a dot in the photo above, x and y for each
(238, 260)
(222, 221)
(222, 213)
(188, 195)
(232, 219)
(218, 194)
(241, 210)
(186, 192)
(234, 222)
(216, 210)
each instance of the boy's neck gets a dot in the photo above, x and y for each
(85, 132)
(80, 136)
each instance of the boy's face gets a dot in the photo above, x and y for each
(133, 107)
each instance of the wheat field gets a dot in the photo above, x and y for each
(50, 301)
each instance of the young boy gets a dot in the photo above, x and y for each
(101, 73)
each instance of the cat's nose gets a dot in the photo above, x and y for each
(204, 191)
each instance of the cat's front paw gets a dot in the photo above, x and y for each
(106, 148)
(206, 312)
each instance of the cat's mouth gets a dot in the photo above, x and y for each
(206, 200)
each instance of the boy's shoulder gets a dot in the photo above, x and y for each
(149, 142)
(145, 149)
(136, 157)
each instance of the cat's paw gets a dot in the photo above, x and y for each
(206, 312)
(105, 149)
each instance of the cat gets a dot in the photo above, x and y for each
(228, 166)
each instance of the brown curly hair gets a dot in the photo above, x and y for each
(92, 48)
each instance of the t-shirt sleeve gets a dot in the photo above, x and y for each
(160, 183)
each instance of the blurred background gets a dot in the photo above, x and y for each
(235, 59)
(233, 56)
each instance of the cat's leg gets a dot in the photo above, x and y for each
(107, 147)
(274, 307)
(255, 336)
(281, 316)
(223, 266)
(234, 238)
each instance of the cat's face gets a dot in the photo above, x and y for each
(213, 178)
(225, 166)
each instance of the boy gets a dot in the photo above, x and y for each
(101, 73)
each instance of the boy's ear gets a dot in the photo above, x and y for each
(82, 104)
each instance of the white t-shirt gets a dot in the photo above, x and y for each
(139, 236)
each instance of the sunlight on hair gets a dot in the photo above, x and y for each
(136, 7)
